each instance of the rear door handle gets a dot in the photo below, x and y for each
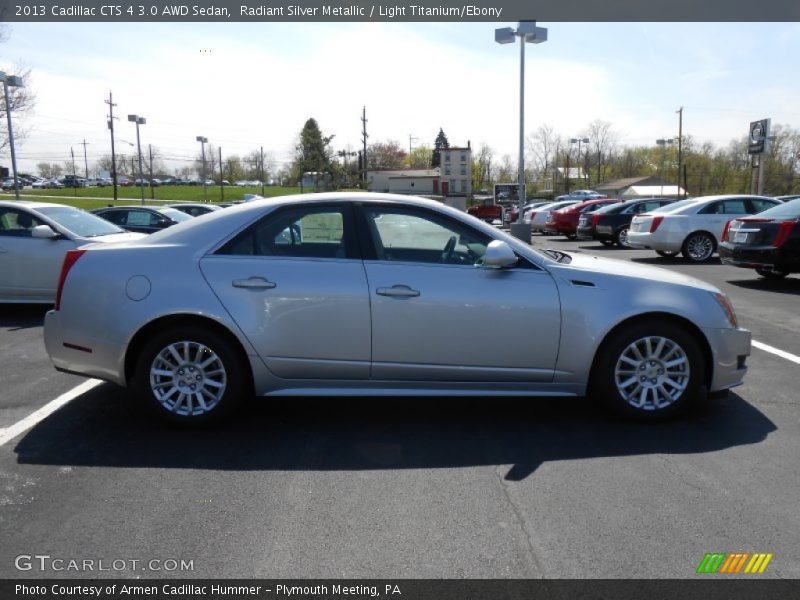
(253, 283)
(401, 291)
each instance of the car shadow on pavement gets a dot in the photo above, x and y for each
(22, 316)
(105, 427)
(779, 286)
(665, 261)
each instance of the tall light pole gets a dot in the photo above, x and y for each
(680, 146)
(139, 121)
(579, 141)
(203, 141)
(526, 31)
(663, 143)
(11, 81)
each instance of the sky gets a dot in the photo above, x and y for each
(246, 85)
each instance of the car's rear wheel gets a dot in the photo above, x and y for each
(771, 273)
(190, 376)
(649, 370)
(698, 247)
(621, 237)
(571, 236)
(668, 253)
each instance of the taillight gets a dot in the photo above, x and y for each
(69, 261)
(656, 222)
(595, 220)
(725, 231)
(784, 231)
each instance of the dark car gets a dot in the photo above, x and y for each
(195, 210)
(143, 219)
(768, 242)
(609, 224)
(565, 220)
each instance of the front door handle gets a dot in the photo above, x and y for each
(402, 291)
(253, 283)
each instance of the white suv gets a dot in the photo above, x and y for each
(692, 227)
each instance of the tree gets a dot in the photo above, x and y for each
(212, 164)
(482, 167)
(313, 153)
(542, 145)
(439, 144)
(386, 155)
(232, 168)
(419, 158)
(601, 140)
(21, 99)
(50, 170)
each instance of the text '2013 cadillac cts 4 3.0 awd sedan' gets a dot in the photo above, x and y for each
(372, 294)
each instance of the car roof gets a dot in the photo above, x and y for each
(32, 204)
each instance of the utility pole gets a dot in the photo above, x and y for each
(411, 139)
(152, 189)
(221, 186)
(74, 180)
(262, 170)
(364, 137)
(111, 118)
(680, 145)
(84, 143)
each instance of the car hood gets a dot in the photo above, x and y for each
(127, 236)
(622, 268)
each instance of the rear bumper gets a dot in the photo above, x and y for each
(645, 239)
(730, 349)
(76, 353)
(756, 256)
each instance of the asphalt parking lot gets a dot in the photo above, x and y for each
(479, 488)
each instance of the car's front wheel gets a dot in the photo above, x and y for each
(189, 376)
(649, 370)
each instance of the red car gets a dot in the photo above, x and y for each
(488, 211)
(565, 221)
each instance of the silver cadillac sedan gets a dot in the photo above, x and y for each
(373, 294)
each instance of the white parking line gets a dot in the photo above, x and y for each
(792, 357)
(48, 409)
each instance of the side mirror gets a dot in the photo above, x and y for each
(498, 256)
(43, 232)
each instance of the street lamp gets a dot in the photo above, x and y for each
(139, 121)
(526, 31)
(203, 141)
(663, 143)
(11, 81)
(579, 141)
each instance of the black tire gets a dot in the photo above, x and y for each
(620, 237)
(603, 384)
(773, 274)
(668, 253)
(607, 242)
(571, 236)
(693, 243)
(185, 409)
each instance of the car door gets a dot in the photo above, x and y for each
(294, 283)
(714, 216)
(438, 317)
(29, 267)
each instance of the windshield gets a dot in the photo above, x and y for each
(611, 208)
(175, 215)
(79, 222)
(789, 210)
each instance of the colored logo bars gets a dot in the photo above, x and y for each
(738, 562)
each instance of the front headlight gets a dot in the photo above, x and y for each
(727, 307)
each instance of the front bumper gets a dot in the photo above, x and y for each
(729, 349)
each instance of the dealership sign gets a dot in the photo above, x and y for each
(506, 193)
(759, 136)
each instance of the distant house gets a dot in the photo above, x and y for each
(652, 191)
(452, 178)
(617, 187)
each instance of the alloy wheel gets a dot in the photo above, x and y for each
(652, 373)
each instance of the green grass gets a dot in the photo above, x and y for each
(166, 193)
